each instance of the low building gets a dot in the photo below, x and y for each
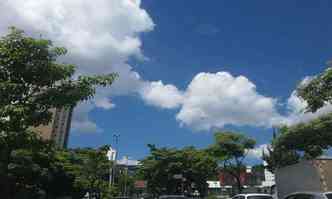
(253, 179)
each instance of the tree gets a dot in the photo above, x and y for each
(305, 140)
(94, 170)
(302, 141)
(125, 182)
(32, 82)
(231, 149)
(317, 92)
(169, 170)
(278, 155)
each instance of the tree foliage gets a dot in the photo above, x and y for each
(278, 155)
(231, 149)
(302, 141)
(89, 169)
(305, 140)
(317, 92)
(32, 82)
(161, 167)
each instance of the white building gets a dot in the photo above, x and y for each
(269, 177)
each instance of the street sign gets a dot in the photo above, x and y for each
(140, 184)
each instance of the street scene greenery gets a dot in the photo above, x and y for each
(33, 82)
(169, 170)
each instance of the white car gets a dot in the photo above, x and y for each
(253, 196)
(310, 195)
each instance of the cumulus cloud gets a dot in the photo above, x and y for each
(160, 95)
(81, 122)
(213, 100)
(101, 36)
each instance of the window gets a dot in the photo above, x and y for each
(291, 197)
(239, 197)
(329, 195)
(301, 196)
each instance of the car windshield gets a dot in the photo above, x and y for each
(260, 197)
(329, 195)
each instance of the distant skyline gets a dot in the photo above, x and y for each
(186, 69)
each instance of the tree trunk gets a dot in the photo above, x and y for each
(7, 192)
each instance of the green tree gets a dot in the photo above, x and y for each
(170, 171)
(305, 140)
(231, 149)
(89, 171)
(278, 156)
(31, 83)
(318, 90)
(302, 141)
(125, 182)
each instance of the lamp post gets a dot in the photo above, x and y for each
(112, 154)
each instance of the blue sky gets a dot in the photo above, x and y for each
(273, 45)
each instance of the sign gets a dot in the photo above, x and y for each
(140, 184)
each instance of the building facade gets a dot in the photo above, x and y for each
(58, 129)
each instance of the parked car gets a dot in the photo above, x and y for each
(253, 196)
(310, 195)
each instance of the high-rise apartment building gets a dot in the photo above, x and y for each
(58, 129)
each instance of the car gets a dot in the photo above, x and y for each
(253, 196)
(310, 195)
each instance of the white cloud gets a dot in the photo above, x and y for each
(257, 152)
(160, 95)
(213, 100)
(101, 36)
(81, 122)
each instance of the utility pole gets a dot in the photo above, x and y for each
(125, 177)
(116, 141)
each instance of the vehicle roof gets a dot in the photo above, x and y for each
(309, 192)
(253, 194)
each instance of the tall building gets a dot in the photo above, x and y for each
(58, 129)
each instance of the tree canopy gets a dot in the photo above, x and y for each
(32, 82)
(305, 140)
(169, 170)
(302, 141)
(317, 91)
(230, 149)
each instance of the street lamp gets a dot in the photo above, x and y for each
(113, 155)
